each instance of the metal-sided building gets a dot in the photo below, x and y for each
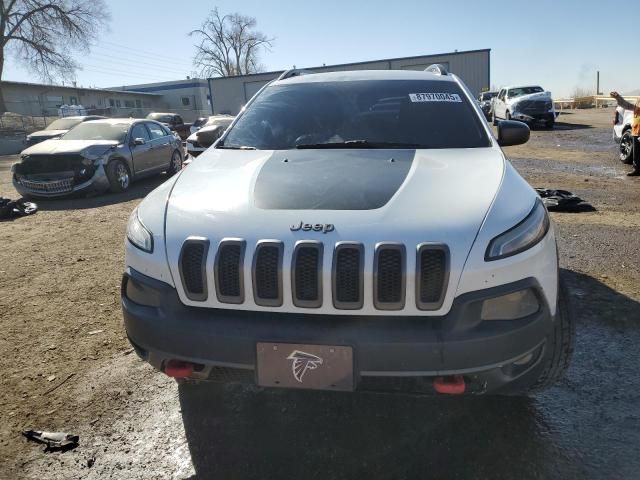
(230, 94)
(44, 100)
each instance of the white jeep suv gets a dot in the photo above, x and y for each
(351, 231)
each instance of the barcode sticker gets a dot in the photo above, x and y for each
(434, 97)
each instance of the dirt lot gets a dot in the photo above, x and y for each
(67, 365)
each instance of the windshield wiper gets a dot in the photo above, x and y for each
(358, 144)
(236, 147)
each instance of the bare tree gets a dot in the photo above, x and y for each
(42, 34)
(229, 45)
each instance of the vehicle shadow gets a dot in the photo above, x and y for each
(238, 431)
(569, 126)
(137, 190)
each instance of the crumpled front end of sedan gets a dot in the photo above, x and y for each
(57, 168)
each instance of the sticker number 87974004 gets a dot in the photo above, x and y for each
(434, 97)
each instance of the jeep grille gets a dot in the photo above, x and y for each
(389, 274)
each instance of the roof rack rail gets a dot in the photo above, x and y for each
(437, 69)
(292, 72)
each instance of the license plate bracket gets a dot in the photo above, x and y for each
(293, 365)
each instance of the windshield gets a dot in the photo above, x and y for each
(64, 124)
(387, 113)
(517, 92)
(158, 117)
(98, 131)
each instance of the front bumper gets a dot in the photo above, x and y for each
(533, 117)
(390, 352)
(62, 187)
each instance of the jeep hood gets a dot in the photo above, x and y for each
(369, 196)
(65, 146)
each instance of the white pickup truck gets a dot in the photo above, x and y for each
(622, 133)
(529, 104)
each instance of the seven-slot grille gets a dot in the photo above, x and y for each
(347, 275)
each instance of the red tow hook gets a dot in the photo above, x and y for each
(178, 369)
(452, 384)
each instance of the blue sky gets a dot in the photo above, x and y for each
(557, 44)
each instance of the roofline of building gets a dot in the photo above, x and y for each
(414, 57)
(90, 89)
(177, 85)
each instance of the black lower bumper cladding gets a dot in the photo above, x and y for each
(389, 352)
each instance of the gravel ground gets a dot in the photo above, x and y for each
(62, 331)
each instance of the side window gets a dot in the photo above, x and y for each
(156, 130)
(140, 131)
(185, 101)
(178, 119)
(501, 95)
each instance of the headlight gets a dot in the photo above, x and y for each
(138, 234)
(511, 306)
(521, 237)
(93, 154)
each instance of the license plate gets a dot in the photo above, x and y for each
(322, 367)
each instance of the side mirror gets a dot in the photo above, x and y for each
(139, 141)
(511, 132)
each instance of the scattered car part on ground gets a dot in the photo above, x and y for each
(173, 121)
(10, 209)
(206, 136)
(529, 104)
(485, 100)
(233, 273)
(622, 122)
(563, 201)
(97, 156)
(53, 441)
(57, 128)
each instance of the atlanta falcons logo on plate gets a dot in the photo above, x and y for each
(303, 361)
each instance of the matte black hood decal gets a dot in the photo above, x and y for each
(331, 179)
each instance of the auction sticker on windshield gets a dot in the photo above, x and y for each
(435, 97)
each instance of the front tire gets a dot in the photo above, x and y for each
(119, 176)
(559, 346)
(495, 120)
(176, 163)
(626, 148)
(507, 116)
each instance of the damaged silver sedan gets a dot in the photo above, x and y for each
(97, 156)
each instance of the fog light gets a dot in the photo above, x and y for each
(524, 360)
(511, 306)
